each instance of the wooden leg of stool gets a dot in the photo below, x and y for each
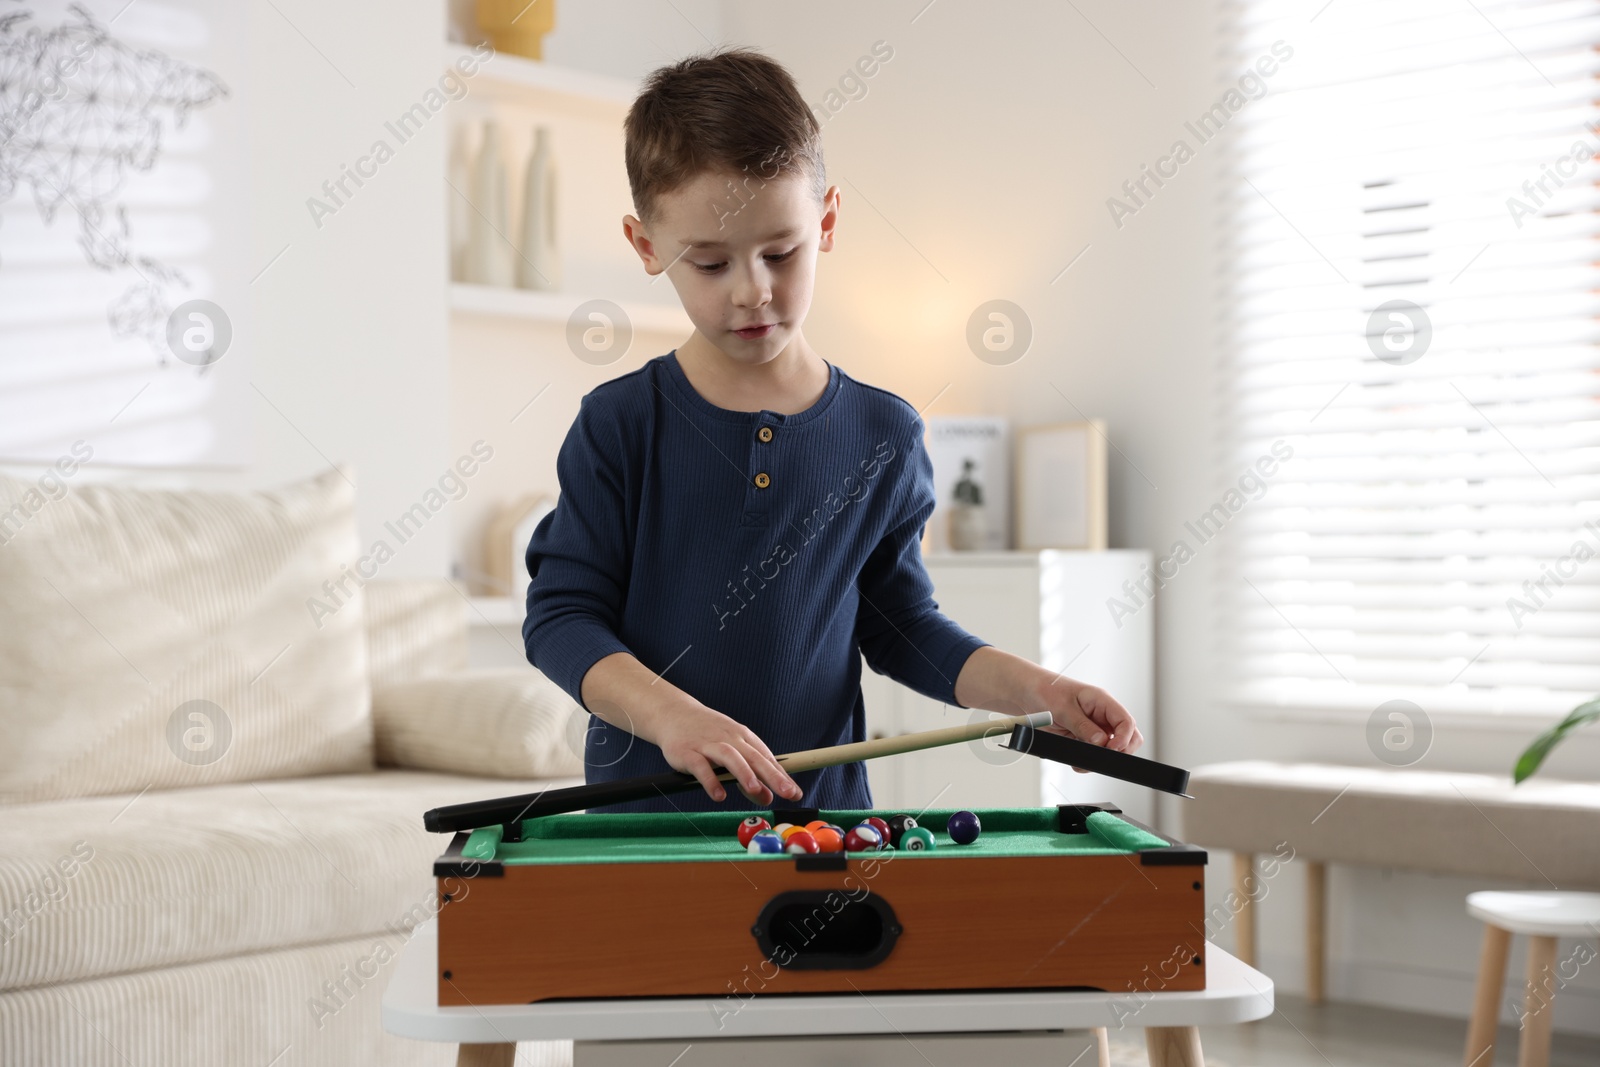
(1534, 1048)
(486, 1055)
(1244, 923)
(1173, 1046)
(1316, 929)
(1486, 1004)
(1102, 1044)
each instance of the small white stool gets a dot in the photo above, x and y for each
(1543, 917)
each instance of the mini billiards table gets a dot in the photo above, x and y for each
(620, 905)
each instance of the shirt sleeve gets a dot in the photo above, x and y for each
(578, 558)
(899, 626)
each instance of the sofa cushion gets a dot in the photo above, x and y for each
(513, 723)
(416, 628)
(106, 885)
(154, 639)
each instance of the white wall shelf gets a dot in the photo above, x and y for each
(536, 306)
(525, 81)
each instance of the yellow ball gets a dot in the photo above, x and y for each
(789, 831)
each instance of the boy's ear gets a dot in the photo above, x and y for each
(633, 230)
(830, 218)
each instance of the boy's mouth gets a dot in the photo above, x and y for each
(754, 332)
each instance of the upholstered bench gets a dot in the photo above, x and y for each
(1448, 823)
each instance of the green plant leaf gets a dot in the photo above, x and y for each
(1530, 760)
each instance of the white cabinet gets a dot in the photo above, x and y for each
(1048, 607)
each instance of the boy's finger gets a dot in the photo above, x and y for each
(733, 760)
(772, 772)
(765, 753)
(1083, 727)
(700, 767)
(775, 775)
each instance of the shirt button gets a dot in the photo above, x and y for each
(765, 433)
(762, 481)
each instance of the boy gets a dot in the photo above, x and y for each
(743, 473)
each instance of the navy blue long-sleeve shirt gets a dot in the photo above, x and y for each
(749, 558)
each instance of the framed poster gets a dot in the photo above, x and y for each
(1061, 486)
(971, 482)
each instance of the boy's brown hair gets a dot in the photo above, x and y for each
(732, 109)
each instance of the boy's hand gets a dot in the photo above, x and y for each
(1088, 713)
(696, 738)
(1004, 682)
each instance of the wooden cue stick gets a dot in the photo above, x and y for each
(471, 815)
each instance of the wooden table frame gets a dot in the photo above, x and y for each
(488, 1033)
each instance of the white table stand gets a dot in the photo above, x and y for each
(1542, 917)
(1013, 1027)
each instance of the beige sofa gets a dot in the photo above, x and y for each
(251, 919)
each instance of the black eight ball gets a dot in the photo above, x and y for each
(898, 825)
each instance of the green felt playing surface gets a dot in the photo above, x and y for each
(674, 837)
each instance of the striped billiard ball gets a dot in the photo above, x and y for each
(765, 843)
(863, 838)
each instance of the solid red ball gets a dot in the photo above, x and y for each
(750, 827)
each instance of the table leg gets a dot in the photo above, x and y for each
(1102, 1044)
(1244, 923)
(1539, 1005)
(1316, 927)
(503, 1055)
(1486, 1004)
(1173, 1046)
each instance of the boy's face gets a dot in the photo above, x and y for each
(740, 255)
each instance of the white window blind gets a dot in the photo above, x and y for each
(1427, 540)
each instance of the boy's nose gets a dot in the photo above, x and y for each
(752, 291)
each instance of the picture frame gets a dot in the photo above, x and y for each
(971, 456)
(1061, 486)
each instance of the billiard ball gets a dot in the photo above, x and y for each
(863, 838)
(781, 827)
(791, 831)
(898, 825)
(916, 839)
(765, 842)
(800, 843)
(878, 825)
(814, 825)
(828, 840)
(964, 827)
(750, 827)
(836, 828)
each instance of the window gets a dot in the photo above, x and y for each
(1412, 280)
(123, 182)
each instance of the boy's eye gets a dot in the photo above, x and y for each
(712, 268)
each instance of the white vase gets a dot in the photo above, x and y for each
(460, 214)
(969, 528)
(488, 253)
(539, 265)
